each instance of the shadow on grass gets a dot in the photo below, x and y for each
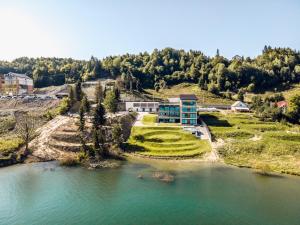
(132, 148)
(156, 140)
(212, 120)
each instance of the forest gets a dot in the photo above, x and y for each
(273, 69)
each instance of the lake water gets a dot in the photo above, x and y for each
(46, 194)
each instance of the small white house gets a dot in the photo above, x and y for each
(142, 106)
(239, 106)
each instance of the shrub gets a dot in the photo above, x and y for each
(139, 138)
(7, 124)
(64, 106)
(9, 145)
(263, 168)
(69, 161)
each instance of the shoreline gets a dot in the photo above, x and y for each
(161, 161)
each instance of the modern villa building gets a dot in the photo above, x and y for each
(179, 110)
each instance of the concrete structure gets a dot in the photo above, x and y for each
(239, 106)
(142, 106)
(15, 84)
(179, 110)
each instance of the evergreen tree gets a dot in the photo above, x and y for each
(117, 93)
(104, 92)
(240, 96)
(201, 83)
(86, 104)
(78, 91)
(99, 143)
(110, 102)
(294, 108)
(81, 117)
(71, 95)
(99, 116)
(98, 92)
(218, 53)
(156, 87)
(117, 134)
(96, 141)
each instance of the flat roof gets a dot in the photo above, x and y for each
(17, 75)
(187, 97)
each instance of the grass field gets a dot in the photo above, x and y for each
(8, 145)
(149, 119)
(254, 143)
(8, 140)
(164, 140)
(186, 88)
(295, 89)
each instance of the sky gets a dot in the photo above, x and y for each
(82, 28)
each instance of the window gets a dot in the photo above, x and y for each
(143, 109)
(136, 104)
(194, 122)
(194, 115)
(150, 109)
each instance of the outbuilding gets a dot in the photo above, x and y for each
(239, 106)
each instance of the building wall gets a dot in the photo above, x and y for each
(142, 106)
(184, 112)
(188, 112)
(16, 85)
(169, 113)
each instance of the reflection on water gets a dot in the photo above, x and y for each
(167, 193)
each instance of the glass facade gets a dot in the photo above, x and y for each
(184, 112)
(189, 112)
(169, 113)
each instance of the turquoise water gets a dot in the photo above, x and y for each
(45, 194)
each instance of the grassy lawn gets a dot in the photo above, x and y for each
(152, 119)
(291, 92)
(8, 140)
(186, 88)
(8, 145)
(295, 89)
(149, 119)
(253, 143)
(7, 123)
(166, 141)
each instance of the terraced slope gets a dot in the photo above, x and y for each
(58, 139)
(163, 141)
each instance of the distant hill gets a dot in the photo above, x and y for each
(274, 68)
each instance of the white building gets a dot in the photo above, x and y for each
(239, 106)
(142, 106)
(16, 84)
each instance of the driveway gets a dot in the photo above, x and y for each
(138, 121)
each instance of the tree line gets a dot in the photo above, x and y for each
(273, 68)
